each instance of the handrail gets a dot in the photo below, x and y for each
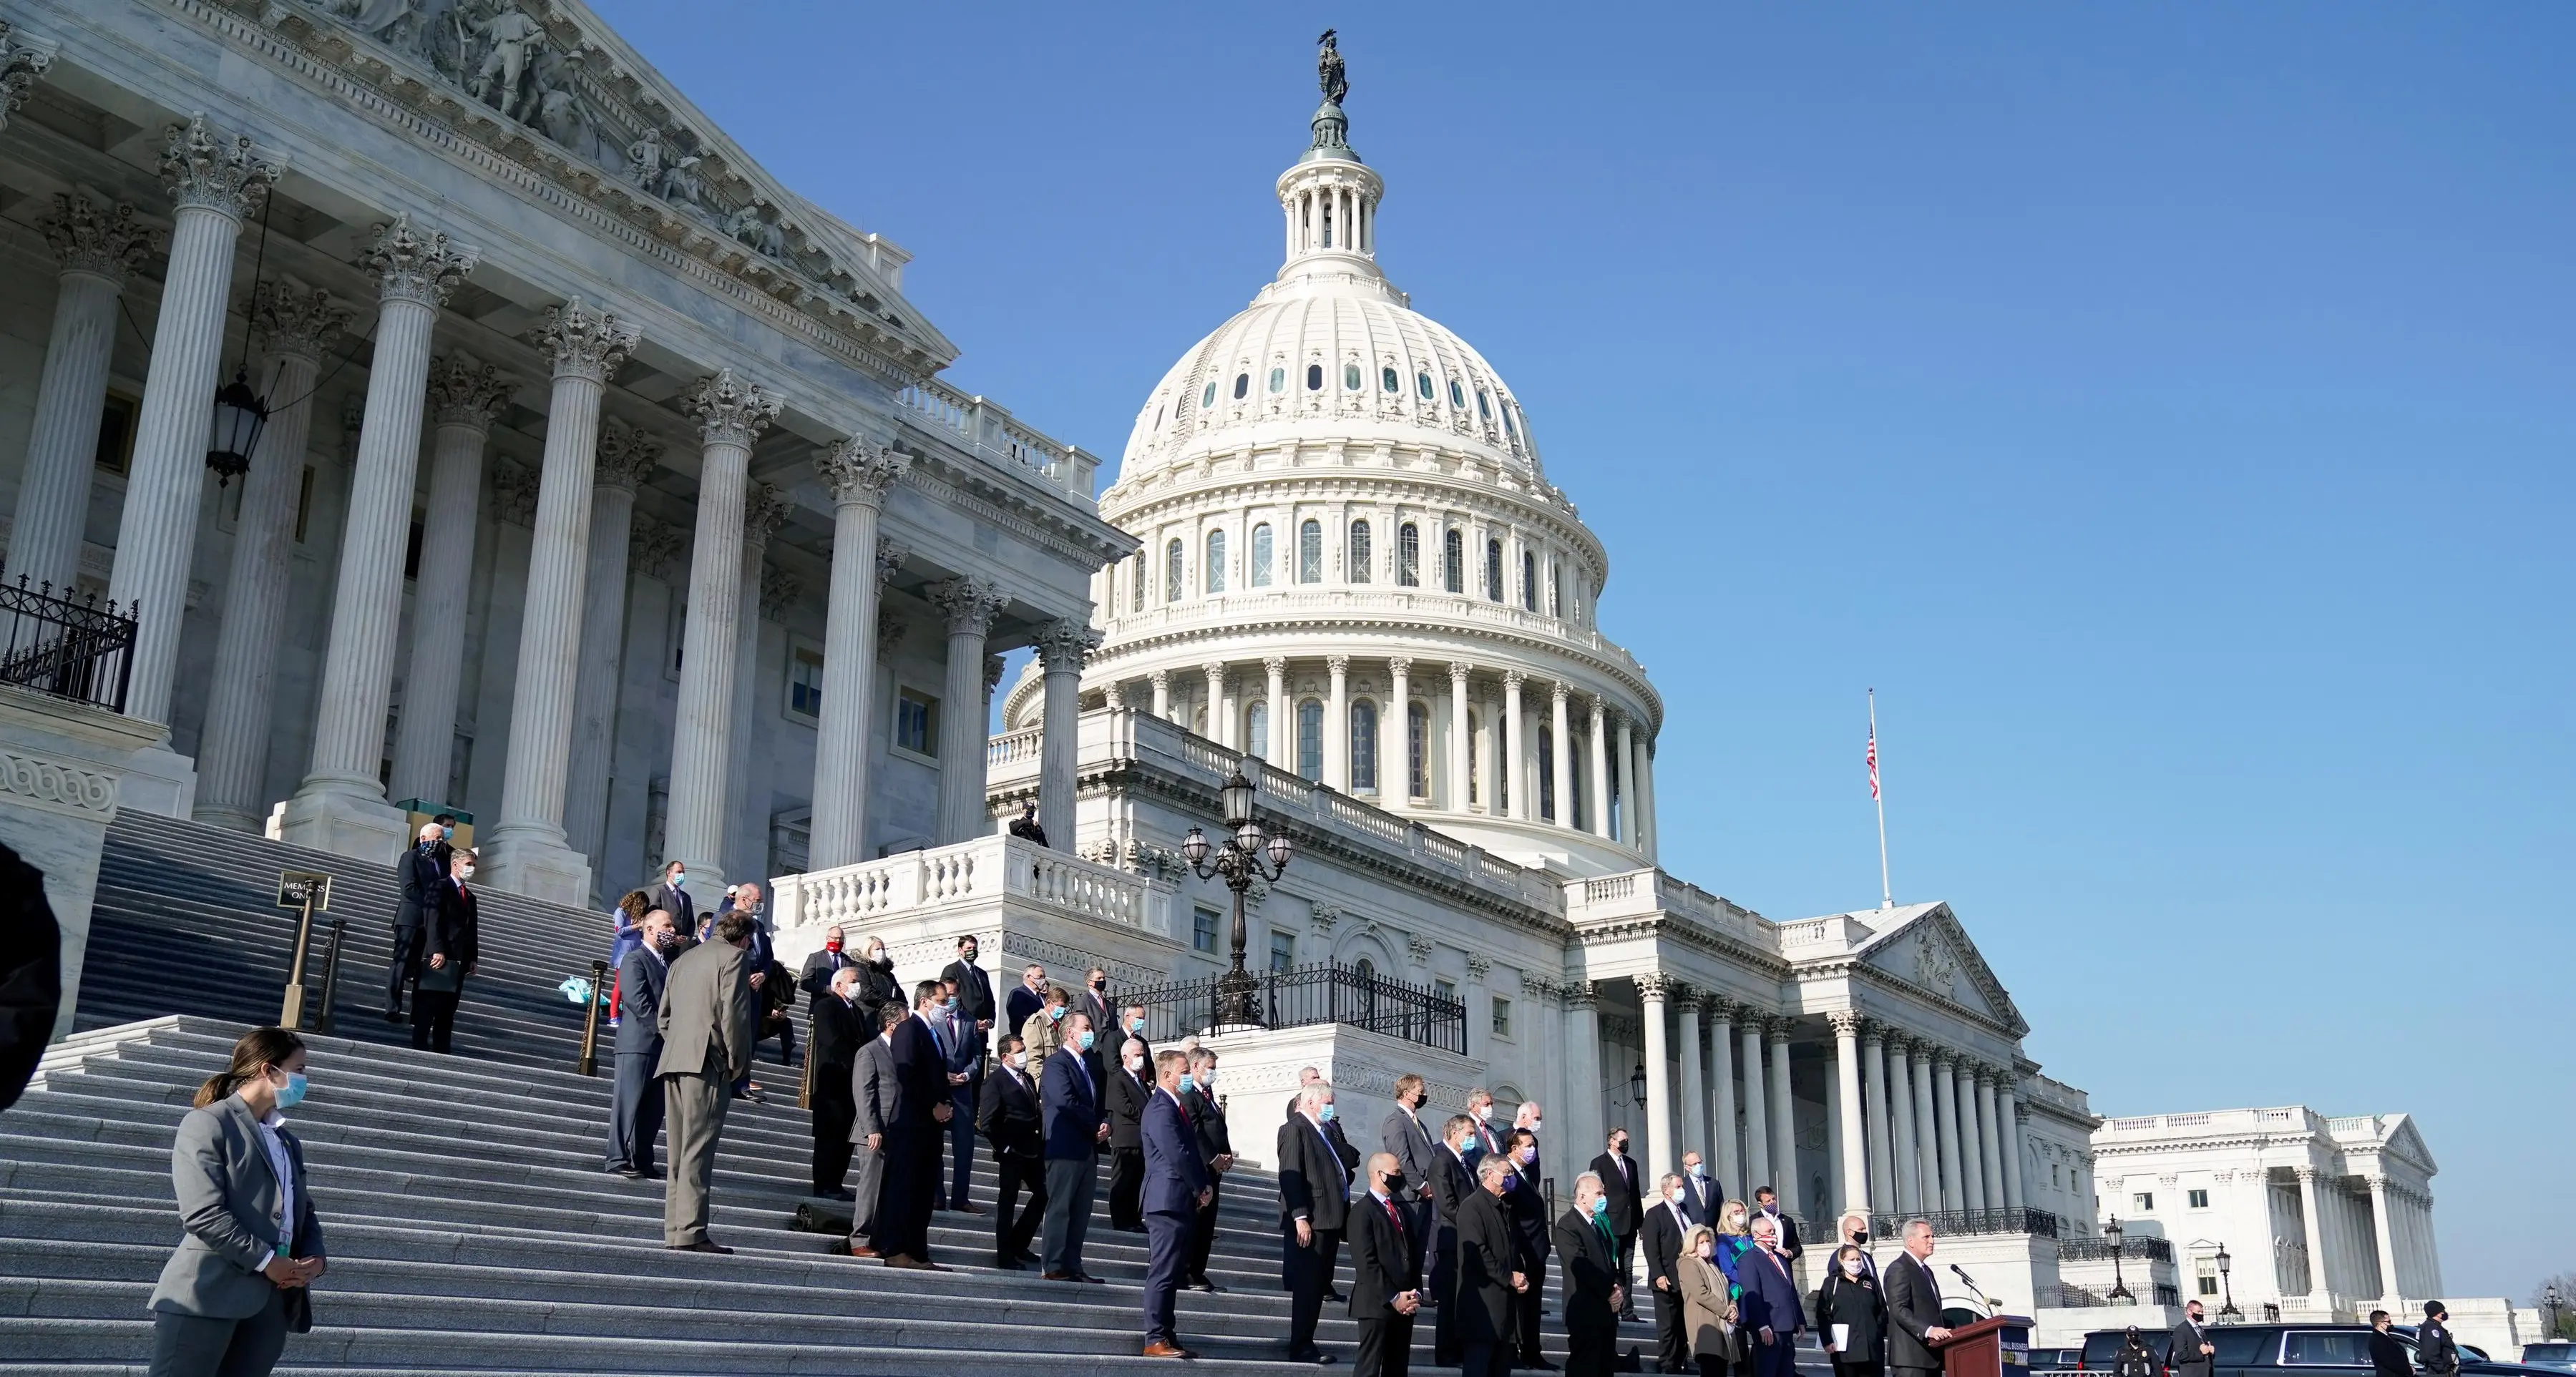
(83, 651)
(1307, 996)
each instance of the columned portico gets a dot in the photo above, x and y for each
(2008, 1125)
(969, 604)
(1063, 646)
(1757, 1107)
(341, 807)
(1989, 1140)
(99, 249)
(1652, 992)
(1729, 1163)
(2320, 1296)
(1945, 1108)
(1692, 1112)
(764, 591)
(464, 397)
(1854, 1165)
(626, 459)
(1906, 1157)
(858, 472)
(1784, 1123)
(1582, 1109)
(1881, 1124)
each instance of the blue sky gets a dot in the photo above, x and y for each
(2168, 411)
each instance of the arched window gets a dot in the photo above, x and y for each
(1408, 555)
(1256, 730)
(1310, 739)
(1453, 560)
(1494, 570)
(1457, 395)
(1484, 407)
(1350, 377)
(1172, 560)
(1261, 555)
(1242, 385)
(1314, 377)
(1507, 421)
(1388, 381)
(1547, 773)
(1475, 760)
(1417, 751)
(1208, 398)
(1422, 384)
(1278, 379)
(1136, 584)
(1363, 747)
(1360, 552)
(1529, 580)
(1214, 570)
(1310, 551)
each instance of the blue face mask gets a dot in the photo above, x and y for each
(1083, 1039)
(1601, 1204)
(1188, 1081)
(1324, 1115)
(1135, 1025)
(292, 1094)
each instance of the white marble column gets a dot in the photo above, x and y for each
(1989, 1142)
(1623, 765)
(529, 852)
(1337, 722)
(1728, 1163)
(1904, 1157)
(627, 459)
(295, 328)
(969, 604)
(2385, 1237)
(1462, 738)
(1600, 752)
(340, 806)
(1279, 718)
(464, 399)
(766, 595)
(1212, 673)
(1972, 1164)
(858, 472)
(1927, 1135)
(1161, 680)
(1692, 1101)
(2311, 1216)
(1581, 1111)
(215, 184)
(1646, 814)
(1757, 1109)
(1945, 1108)
(1395, 739)
(98, 250)
(731, 413)
(1515, 751)
(1880, 1125)
(1784, 1121)
(1561, 761)
(1062, 647)
(2008, 1142)
(1854, 1165)
(1652, 991)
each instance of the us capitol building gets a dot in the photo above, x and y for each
(453, 416)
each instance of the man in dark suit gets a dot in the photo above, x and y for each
(1662, 1236)
(1452, 1183)
(706, 1020)
(2193, 1353)
(1025, 999)
(1529, 1217)
(1350, 1155)
(1386, 1272)
(1314, 1204)
(1699, 1194)
(1766, 1202)
(964, 1047)
(832, 1044)
(912, 1145)
(974, 991)
(1403, 1134)
(1009, 1119)
(2388, 1357)
(1176, 1185)
(876, 1094)
(1094, 1000)
(451, 943)
(1913, 1296)
(1070, 1099)
(1490, 1276)
(1772, 1310)
(1593, 1290)
(1127, 1090)
(1618, 1173)
(635, 1107)
(815, 976)
(672, 897)
(422, 873)
(1216, 1145)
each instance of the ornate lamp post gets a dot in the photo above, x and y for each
(1239, 858)
(2227, 1312)
(2549, 1301)
(1637, 1085)
(2119, 1288)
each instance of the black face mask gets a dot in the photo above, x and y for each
(1860, 1235)
(1394, 1182)
(1100, 984)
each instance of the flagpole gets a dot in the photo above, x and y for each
(1886, 895)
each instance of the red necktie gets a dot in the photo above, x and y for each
(1392, 1219)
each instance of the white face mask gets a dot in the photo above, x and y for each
(465, 872)
(1019, 1061)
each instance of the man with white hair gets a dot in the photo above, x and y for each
(422, 874)
(833, 1038)
(1913, 1298)
(1314, 1205)
(1588, 1249)
(1771, 1304)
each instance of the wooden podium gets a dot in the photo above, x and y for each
(1988, 1348)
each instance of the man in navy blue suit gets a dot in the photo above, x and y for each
(1070, 1098)
(635, 1108)
(1176, 1185)
(1770, 1303)
(912, 1143)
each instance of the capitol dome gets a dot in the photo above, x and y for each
(1353, 565)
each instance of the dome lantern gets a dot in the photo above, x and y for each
(1329, 196)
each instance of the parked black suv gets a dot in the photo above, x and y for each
(2292, 1350)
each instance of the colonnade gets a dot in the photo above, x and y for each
(563, 695)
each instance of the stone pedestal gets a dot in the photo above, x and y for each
(61, 763)
(1256, 1073)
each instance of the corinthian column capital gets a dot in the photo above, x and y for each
(203, 170)
(412, 266)
(969, 604)
(891, 553)
(21, 62)
(764, 510)
(586, 342)
(1065, 644)
(463, 392)
(110, 243)
(626, 457)
(860, 470)
(296, 323)
(731, 411)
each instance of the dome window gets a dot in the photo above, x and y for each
(1484, 406)
(1453, 561)
(1508, 428)
(1408, 555)
(1350, 377)
(1261, 555)
(1208, 398)
(1310, 551)
(1242, 384)
(1278, 379)
(1389, 381)
(1457, 395)
(1422, 384)
(1212, 572)
(1174, 576)
(1314, 377)
(1362, 555)
(1158, 417)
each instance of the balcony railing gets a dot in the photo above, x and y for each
(2139, 1248)
(82, 651)
(2036, 1223)
(1303, 997)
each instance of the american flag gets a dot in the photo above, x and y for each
(1873, 763)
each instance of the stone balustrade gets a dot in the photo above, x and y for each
(985, 872)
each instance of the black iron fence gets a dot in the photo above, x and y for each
(2036, 1223)
(82, 650)
(1326, 992)
(2136, 1248)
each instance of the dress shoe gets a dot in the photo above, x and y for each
(1058, 1276)
(1010, 1264)
(1029, 1257)
(1337, 1298)
(1161, 1349)
(849, 1195)
(629, 1173)
(656, 1174)
(863, 1250)
(1208, 1285)
(701, 1246)
(393, 1016)
(970, 1207)
(1090, 1279)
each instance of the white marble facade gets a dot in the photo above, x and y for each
(561, 379)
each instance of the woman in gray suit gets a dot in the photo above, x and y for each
(236, 1287)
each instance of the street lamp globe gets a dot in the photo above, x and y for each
(1194, 847)
(1247, 835)
(1235, 799)
(1281, 848)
